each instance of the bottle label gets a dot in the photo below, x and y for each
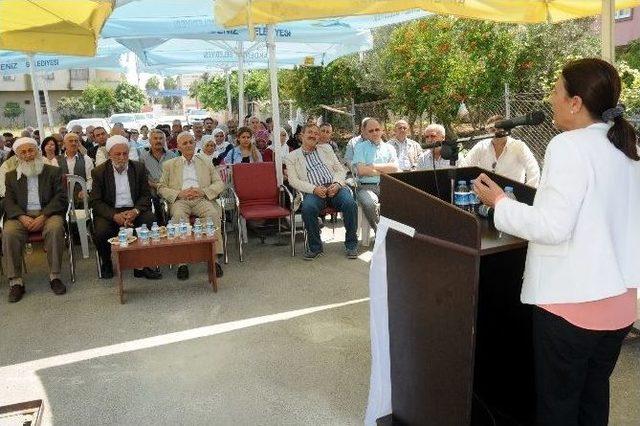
(460, 198)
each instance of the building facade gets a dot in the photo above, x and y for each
(627, 25)
(64, 83)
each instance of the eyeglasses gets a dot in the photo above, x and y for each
(374, 130)
(431, 136)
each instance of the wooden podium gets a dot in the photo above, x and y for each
(459, 338)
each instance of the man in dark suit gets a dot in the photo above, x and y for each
(35, 201)
(100, 136)
(120, 198)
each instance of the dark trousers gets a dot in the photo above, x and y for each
(106, 228)
(343, 202)
(572, 370)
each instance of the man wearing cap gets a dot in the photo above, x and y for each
(120, 197)
(190, 184)
(34, 202)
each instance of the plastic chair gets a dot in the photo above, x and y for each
(258, 196)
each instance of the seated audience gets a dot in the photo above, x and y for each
(35, 201)
(198, 132)
(326, 135)
(348, 153)
(74, 163)
(209, 125)
(245, 151)
(430, 158)
(98, 153)
(50, 151)
(262, 143)
(207, 151)
(505, 156)
(315, 170)
(120, 197)
(222, 147)
(371, 158)
(408, 150)
(176, 129)
(191, 184)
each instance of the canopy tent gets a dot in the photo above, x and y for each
(68, 27)
(236, 13)
(195, 19)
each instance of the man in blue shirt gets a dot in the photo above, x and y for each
(371, 158)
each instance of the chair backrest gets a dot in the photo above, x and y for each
(256, 183)
(72, 181)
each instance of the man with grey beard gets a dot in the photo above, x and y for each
(35, 201)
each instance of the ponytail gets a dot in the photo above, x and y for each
(623, 136)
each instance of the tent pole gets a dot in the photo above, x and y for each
(36, 95)
(240, 84)
(227, 76)
(275, 100)
(47, 104)
(607, 36)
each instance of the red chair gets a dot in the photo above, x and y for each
(258, 196)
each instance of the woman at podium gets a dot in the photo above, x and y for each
(581, 272)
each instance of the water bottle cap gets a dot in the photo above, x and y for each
(462, 182)
(508, 188)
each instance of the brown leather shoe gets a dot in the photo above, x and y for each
(15, 293)
(57, 286)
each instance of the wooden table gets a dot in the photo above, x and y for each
(165, 252)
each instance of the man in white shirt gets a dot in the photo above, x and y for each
(505, 156)
(431, 159)
(408, 150)
(190, 183)
(73, 162)
(198, 131)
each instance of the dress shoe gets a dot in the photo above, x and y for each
(107, 271)
(183, 272)
(15, 293)
(219, 272)
(148, 273)
(57, 286)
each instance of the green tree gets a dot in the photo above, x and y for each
(71, 108)
(99, 100)
(12, 110)
(630, 54)
(152, 84)
(169, 102)
(210, 90)
(129, 98)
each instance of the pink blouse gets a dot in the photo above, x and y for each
(612, 313)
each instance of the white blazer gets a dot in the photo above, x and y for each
(584, 225)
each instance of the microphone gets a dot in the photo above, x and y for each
(532, 119)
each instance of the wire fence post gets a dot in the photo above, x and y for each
(507, 101)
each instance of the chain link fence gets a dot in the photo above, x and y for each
(345, 118)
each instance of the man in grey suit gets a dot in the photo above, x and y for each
(35, 201)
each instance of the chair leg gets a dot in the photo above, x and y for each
(240, 238)
(84, 239)
(293, 234)
(223, 231)
(72, 260)
(98, 265)
(334, 221)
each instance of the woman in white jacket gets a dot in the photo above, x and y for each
(584, 237)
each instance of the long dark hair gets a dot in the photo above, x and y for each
(598, 84)
(46, 141)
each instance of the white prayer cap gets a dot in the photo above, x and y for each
(206, 138)
(115, 140)
(23, 141)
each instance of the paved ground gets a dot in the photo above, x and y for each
(282, 342)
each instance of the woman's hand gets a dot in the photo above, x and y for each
(487, 190)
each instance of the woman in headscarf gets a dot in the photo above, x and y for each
(222, 147)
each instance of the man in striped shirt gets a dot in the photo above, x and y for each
(316, 171)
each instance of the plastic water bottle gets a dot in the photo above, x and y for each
(144, 234)
(155, 231)
(183, 228)
(28, 249)
(122, 237)
(508, 192)
(211, 228)
(171, 230)
(197, 228)
(474, 201)
(461, 196)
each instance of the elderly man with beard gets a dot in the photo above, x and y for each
(191, 184)
(35, 202)
(120, 197)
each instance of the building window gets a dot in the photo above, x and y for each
(625, 13)
(8, 78)
(80, 74)
(49, 76)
